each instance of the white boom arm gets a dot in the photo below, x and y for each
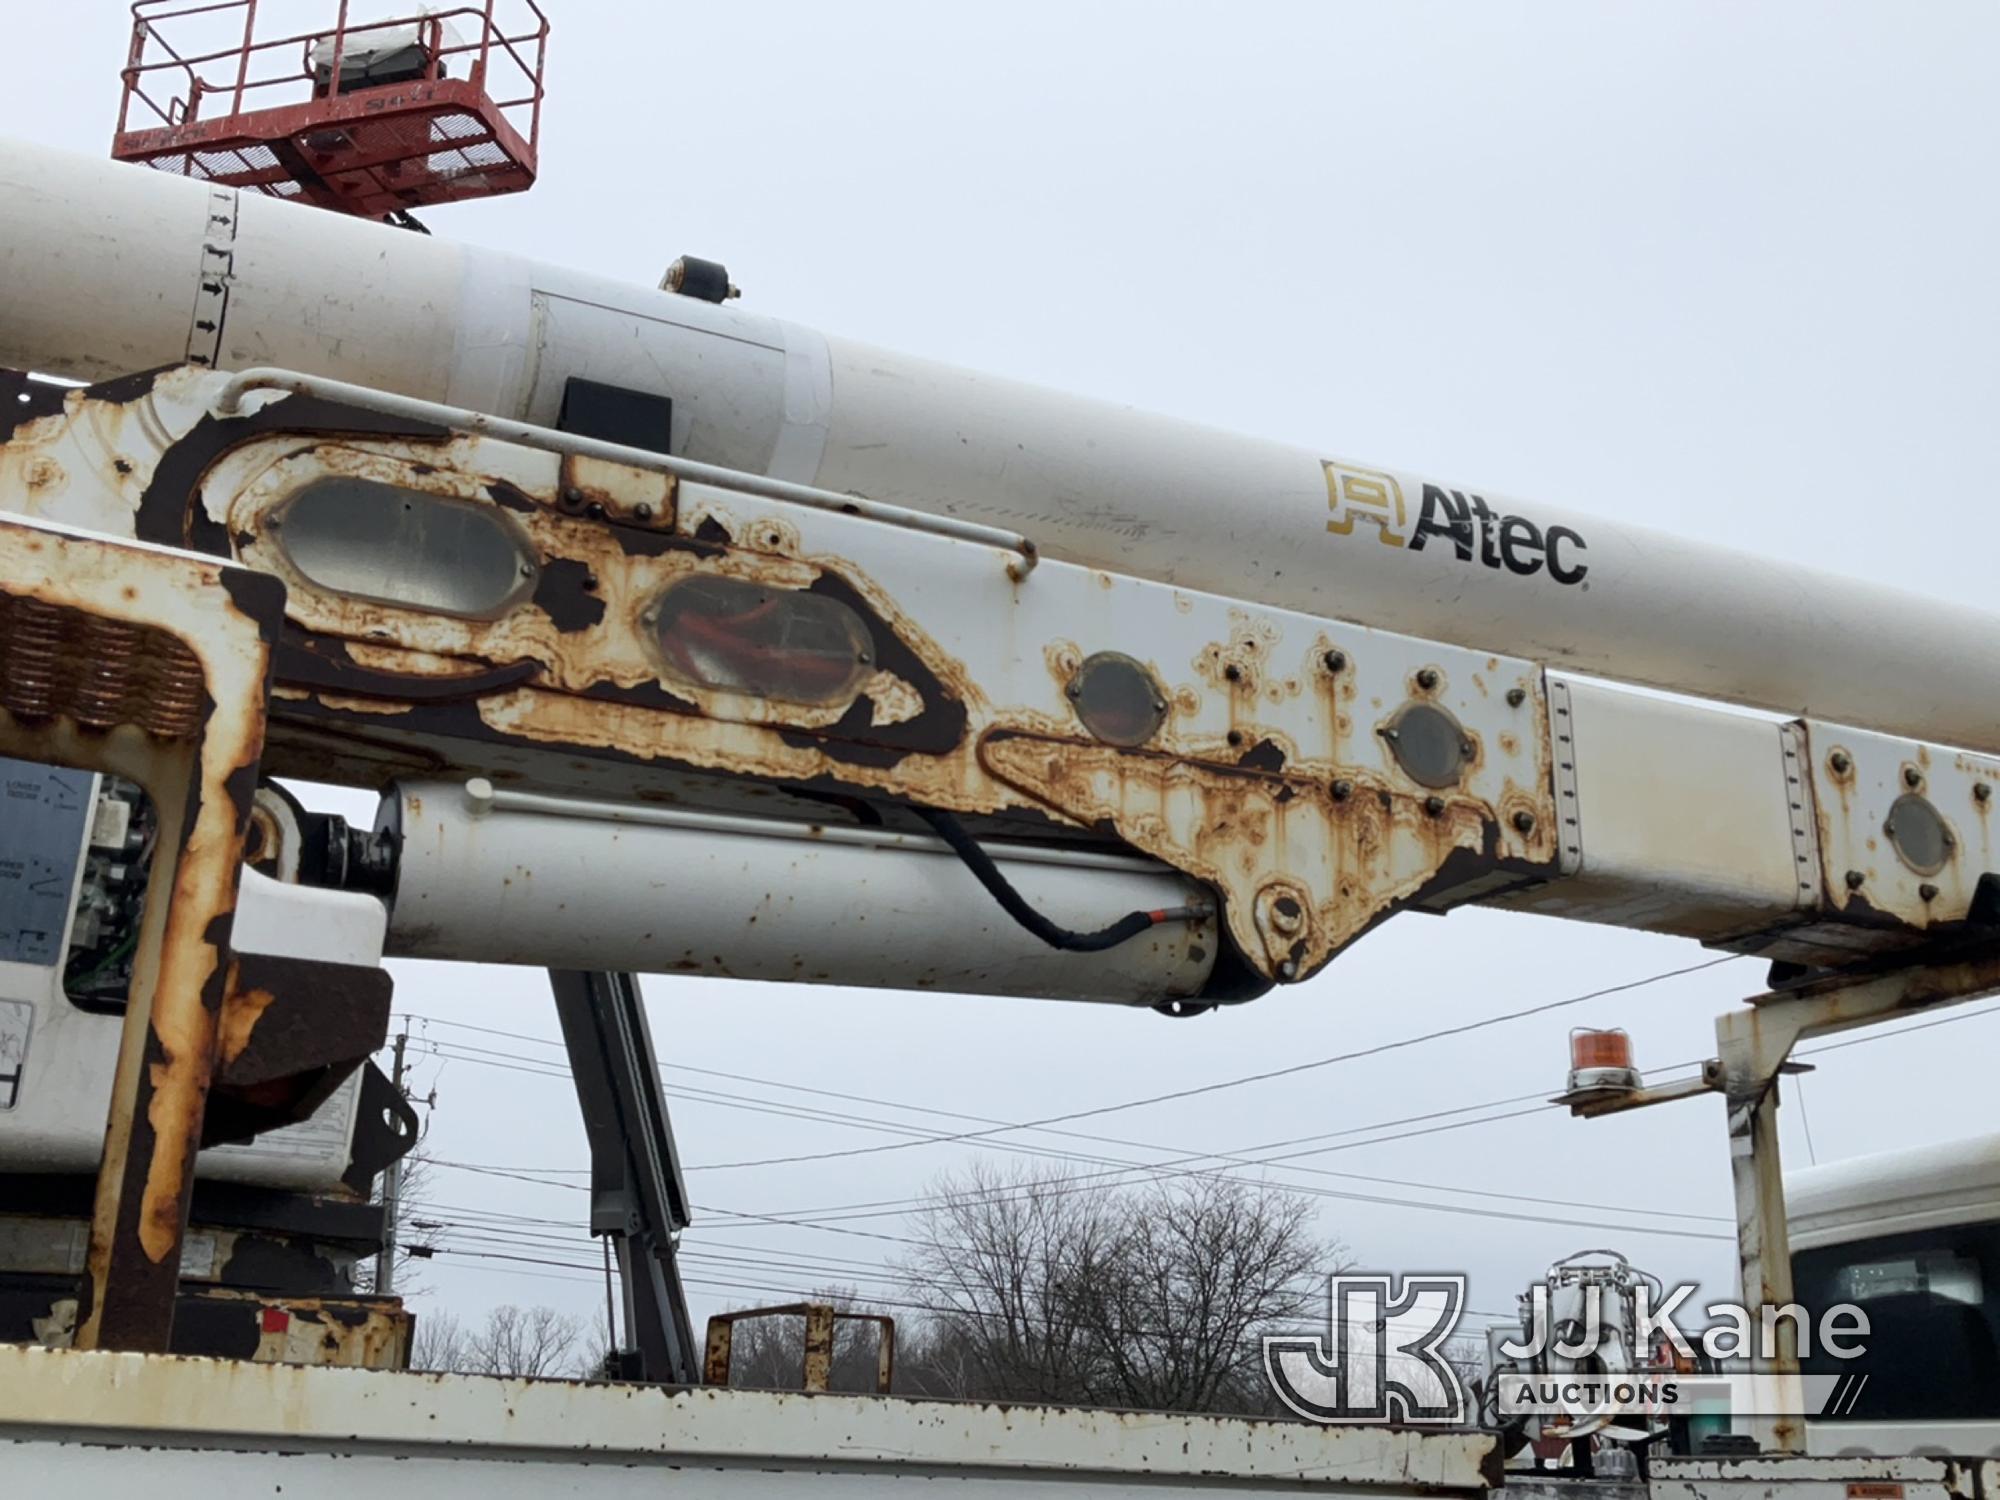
(123, 259)
(1313, 689)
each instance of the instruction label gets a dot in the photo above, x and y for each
(43, 810)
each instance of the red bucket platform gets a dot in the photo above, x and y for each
(374, 118)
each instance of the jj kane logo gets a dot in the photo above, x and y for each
(1383, 1359)
(1384, 1356)
(1464, 522)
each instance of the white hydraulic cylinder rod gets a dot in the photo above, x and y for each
(114, 268)
(493, 876)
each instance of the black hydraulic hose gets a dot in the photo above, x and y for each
(1016, 906)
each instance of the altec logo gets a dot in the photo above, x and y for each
(1475, 531)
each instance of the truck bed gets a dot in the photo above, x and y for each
(102, 1423)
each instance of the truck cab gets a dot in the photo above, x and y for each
(1912, 1237)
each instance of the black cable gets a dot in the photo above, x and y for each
(977, 860)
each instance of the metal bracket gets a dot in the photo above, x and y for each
(154, 666)
(820, 1320)
(1753, 1047)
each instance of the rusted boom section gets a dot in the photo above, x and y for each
(472, 597)
(577, 617)
(155, 666)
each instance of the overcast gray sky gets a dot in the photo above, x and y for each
(1721, 268)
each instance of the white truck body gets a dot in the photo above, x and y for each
(109, 1422)
(1913, 1238)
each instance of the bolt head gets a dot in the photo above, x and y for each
(1928, 891)
(1434, 805)
(1427, 678)
(1855, 880)
(1516, 697)
(1912, 777)
(1524, 821)
(643, 511)
(1288, 970)
(1838, 763)
(1336, 661)
(1075, 690)
(1982, 792)
(1342, 789)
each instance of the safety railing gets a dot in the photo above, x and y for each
(225, 64)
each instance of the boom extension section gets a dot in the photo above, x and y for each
(640, 713)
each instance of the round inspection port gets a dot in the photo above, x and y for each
(1117, 699)
(1429, 744)
(1917, 833)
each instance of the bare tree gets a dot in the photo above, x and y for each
(514, 1340)
(1055, 1289)
(439, 1343)
(533, 1341)
(1206, 1267)
(933, 1360)
(1015, 1265)
(594, 1354)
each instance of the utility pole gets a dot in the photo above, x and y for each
(392, 1183)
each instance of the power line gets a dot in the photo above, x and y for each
(1158, 1171)
(1884, 1036)
(1264, 1077)
(828, 1225)
(771, 1258)
(913, 1138)
(1041, 1320)
(793, 1221)
(851, 1268)
(1156, 1168)
(1231, 1158)
(1261, 1077)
